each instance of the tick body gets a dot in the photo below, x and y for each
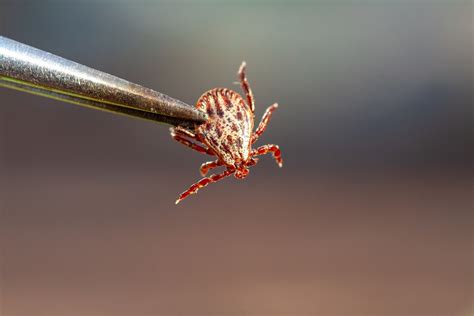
(228, 134)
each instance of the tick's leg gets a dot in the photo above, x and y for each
(252, 162)
(183, 131)
(264, 122)
(262, 150)
(205, 167)
(204, 182)
(180, 134)
(245, 86)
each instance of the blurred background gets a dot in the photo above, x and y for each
(370, 215)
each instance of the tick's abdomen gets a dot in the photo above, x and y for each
(229, 127)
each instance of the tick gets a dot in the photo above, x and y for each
(227, 134)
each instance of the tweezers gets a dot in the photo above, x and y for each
(32, 70)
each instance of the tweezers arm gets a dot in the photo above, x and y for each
(26, 68)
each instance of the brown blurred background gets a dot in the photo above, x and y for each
(370, 215)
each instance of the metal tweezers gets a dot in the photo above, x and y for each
(32, 70)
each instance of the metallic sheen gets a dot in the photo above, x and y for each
(32, 70)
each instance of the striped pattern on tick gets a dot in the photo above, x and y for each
(227, 134)
(229, 127)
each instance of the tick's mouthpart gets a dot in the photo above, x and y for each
(241, 173)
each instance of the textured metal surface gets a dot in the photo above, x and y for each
(32, 70)
(98, 105)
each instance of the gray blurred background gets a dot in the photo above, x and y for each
(370, 215)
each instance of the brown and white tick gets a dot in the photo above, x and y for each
(227, 134)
